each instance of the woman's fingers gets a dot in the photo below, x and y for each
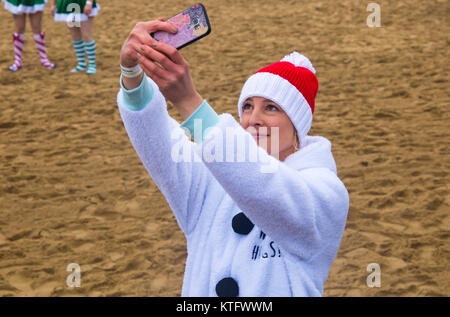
(159, 81)
(158, 25)
(156, 56)
(170, 51)
(142, 30)
(134, 51)
(149, 63)
(140, 35)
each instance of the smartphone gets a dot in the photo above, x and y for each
(192, 24)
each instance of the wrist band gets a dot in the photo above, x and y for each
(89, 2)
(131, 72)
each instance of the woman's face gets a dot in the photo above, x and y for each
(259, 115)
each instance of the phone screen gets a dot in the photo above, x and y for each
(192, 24)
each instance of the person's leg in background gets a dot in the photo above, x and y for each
(39, 39)
(79, 48)
(19, 41)
(87, 29)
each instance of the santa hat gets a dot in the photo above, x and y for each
(292, 84)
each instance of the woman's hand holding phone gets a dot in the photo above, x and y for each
(139, 36)
(171, 74)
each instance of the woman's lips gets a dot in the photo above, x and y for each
(258, 133)
(259, 136)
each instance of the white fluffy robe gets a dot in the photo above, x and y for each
(299, 210)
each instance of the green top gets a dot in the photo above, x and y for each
(66, 6)
(26, 3)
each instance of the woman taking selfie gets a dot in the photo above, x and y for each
(269, 226)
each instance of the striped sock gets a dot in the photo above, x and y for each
(79, 51)
(91, 51)
(19, 40)
(39, 39)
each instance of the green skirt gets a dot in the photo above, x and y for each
(67, 9)
(24, 6)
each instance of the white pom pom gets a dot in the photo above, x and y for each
(299, 60)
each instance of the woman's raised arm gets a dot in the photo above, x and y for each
(157, 138)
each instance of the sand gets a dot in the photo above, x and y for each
(72, 189)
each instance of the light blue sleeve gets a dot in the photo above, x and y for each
(138, 98)
(208, 118)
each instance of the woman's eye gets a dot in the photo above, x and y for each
(272, 108)
(246, 106)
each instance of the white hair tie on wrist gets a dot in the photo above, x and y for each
(89, 2)
(131, 72)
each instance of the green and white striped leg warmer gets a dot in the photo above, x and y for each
(79, 51)
(91, 52)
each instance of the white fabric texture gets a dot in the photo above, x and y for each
(299, 210)
(70, 17)
(299, 60)
(22, 9)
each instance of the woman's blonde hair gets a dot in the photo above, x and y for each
(296, 145)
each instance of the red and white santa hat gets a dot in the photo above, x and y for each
(292, 84)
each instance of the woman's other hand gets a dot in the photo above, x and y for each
(88, 8)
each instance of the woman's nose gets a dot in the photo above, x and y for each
(256, 119)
